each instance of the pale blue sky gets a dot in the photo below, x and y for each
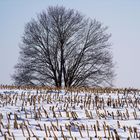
(121, 16)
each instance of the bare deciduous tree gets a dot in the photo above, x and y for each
(64, 48)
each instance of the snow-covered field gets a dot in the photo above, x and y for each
(52, 115)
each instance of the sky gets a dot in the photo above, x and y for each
(121, 16)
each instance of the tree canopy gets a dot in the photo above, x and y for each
(61, 47)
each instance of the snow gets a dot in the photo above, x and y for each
(36, 109)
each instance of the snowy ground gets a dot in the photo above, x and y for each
(40, 115)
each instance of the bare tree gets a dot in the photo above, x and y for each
(64, 48)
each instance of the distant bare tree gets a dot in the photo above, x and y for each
(63, 48)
